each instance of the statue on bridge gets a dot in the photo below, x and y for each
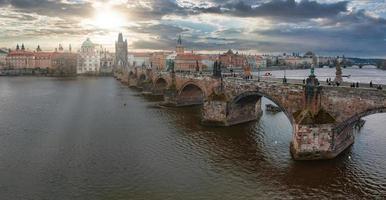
(217, 69)
(338, 77)
(170, 66)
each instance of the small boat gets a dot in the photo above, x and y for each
(268, 74)
(272, 108)
(346, 76)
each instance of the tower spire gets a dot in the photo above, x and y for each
(179, 40)
(120, 37)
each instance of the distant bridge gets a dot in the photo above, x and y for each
(323, 117)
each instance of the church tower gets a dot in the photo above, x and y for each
(121, 60)
(180, 48)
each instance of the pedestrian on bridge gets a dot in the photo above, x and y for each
(357, 85)
(371, 84)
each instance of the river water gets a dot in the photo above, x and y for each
(93, 138)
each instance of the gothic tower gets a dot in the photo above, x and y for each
(121, 60)
(180, 48)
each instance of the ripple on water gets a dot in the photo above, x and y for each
(81, 142)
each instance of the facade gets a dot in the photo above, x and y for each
(158, 60)
(207, 61)
(88, 58)
(233, 60)
(20, 59)
(188, 62)
(3, 57)
(43, 60)
(107, 62)
(121, 54)
(64, 64)
(138, 59)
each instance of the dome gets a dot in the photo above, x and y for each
(87, 44)
(309, 54)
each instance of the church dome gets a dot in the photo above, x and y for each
(309, 54)
(87, 44)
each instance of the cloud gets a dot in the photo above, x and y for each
(281, 9)
(324, 26)
(50, 8)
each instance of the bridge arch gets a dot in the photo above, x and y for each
(160, 84)
(247, 106)
(355, 118)
(191, 94)
(131, 74)
(142, 77)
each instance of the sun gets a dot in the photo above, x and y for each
(105, 18)
(108, 19)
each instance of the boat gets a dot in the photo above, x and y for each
(272, 108)
(268, 74)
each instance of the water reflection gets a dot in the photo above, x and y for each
(93, 138)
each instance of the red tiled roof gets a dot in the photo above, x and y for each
(21, 53)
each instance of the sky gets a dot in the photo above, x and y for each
(326, 27)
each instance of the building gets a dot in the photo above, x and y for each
(233, 60)
(207, 61)
(188, 62)
(296, 61)
(261, 62)
(63, 64)
(88, 58)
(42, 59)
(139, 59)
(107, 62)
(3, 57)
(311, 58)
(158, 60)
(185, 61)
(180, 49)
(121, 54)
(20, 59)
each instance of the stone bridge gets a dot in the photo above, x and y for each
(323, 118)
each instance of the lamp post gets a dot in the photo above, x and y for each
(258, 73)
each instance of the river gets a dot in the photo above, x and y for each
(94, 138)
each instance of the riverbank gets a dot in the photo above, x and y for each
(45, 73)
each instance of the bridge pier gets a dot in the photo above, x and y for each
(125, 78)
(158, 91)
(147, 87)
(170, 97)
(322, 141)
(132, 82)
(223, 113)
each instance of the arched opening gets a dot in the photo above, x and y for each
(160, 86)
(142, 77)
(131, 75)
(248, 107)
(356, 120)
(141, 80)
(190, 94)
